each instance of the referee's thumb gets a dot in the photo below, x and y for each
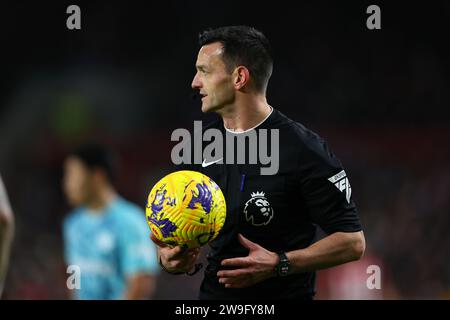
(247, 243)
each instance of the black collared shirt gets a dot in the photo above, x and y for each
(280, 212)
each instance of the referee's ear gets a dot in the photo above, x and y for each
(241, 77)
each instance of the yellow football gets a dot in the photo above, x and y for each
(185, 208)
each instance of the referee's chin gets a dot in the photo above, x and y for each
(206, 108)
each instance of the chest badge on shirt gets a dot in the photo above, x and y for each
(258, 210)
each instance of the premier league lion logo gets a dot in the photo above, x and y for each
(258, 210)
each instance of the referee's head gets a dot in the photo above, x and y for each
(232, 57)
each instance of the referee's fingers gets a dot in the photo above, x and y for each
(178, 251)
(184, 250)
(157, 242)
(233, 283)
(236, 262)
(232, 273)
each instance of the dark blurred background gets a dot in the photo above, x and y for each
(380, 98)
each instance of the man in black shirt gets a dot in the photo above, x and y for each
(266, 249)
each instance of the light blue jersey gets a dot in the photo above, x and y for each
(108, 247)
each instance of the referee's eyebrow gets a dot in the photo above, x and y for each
(201, 67)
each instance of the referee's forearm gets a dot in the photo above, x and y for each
(335, 249)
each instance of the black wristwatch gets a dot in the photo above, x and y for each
(283, 266)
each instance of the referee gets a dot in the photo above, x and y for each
(266, 249)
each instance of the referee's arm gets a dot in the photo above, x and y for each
(333, 250)
(6, 233)
(326, 189)
(259, 265)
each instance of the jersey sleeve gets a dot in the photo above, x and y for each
(325, 188)
(137, 251)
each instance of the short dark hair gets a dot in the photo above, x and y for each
(94, 156)
(245, 46)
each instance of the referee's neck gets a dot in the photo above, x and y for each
(246, 114)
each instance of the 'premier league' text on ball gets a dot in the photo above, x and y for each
(257, 145)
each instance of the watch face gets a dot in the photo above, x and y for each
(284, 269)
(283, 266)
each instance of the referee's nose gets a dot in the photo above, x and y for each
(196, 83)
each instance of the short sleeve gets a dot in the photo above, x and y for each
(137, 251)
(326, 189)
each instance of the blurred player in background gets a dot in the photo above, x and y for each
(105, 235)
(6, 233)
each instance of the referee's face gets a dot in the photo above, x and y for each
(214, 82)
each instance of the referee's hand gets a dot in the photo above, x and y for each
(176, 259)
(259, 265)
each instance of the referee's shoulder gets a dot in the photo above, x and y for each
(298, 131)
(309, 144)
